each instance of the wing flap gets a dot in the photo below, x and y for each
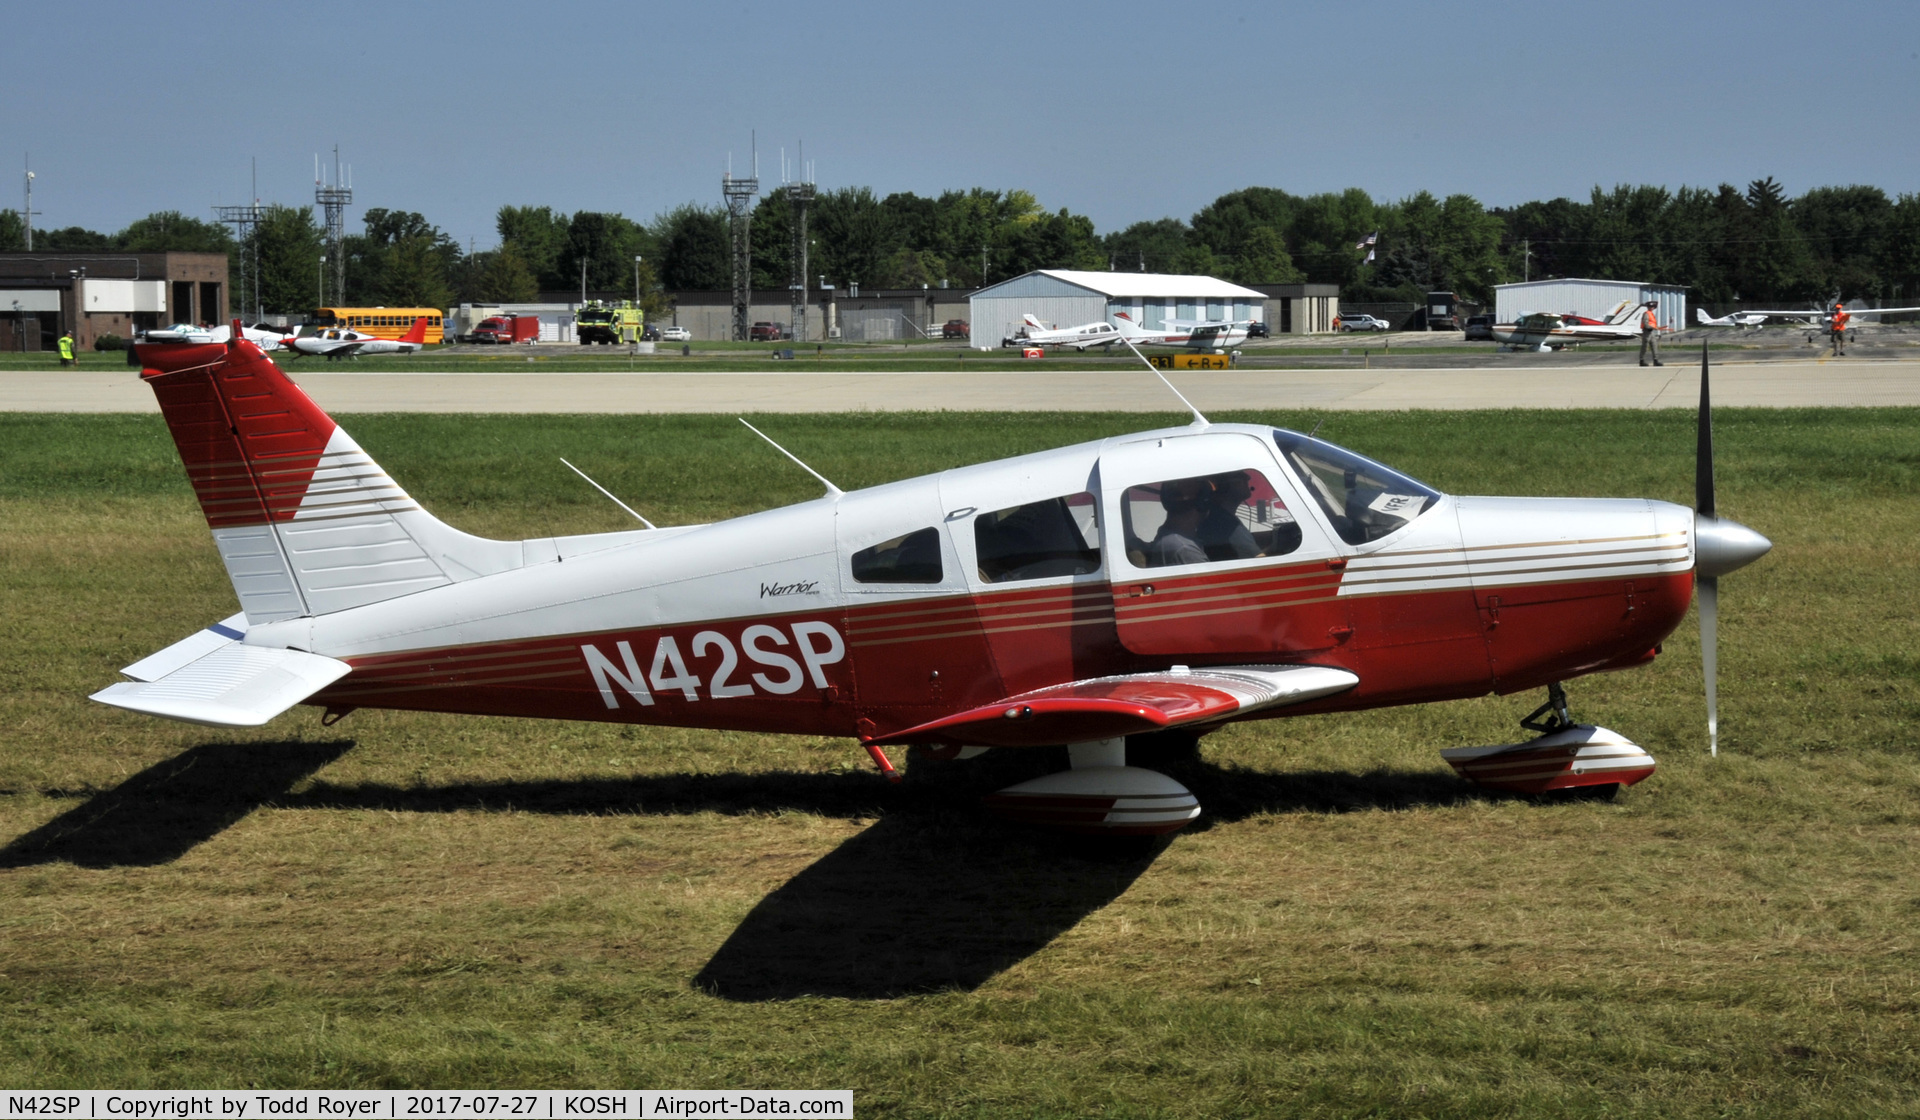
(1112, 707)
(236, 685)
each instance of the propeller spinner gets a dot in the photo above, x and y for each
(1719, 546)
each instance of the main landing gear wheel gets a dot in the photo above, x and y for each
(1100, 795)
(1575, 759)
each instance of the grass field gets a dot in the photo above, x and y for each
(410, 900)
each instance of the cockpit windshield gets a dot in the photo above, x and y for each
(1364, 500)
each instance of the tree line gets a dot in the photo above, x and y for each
(1725, 245)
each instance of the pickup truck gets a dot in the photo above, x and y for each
(767, 332)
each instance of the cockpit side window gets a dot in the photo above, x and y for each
(913, 558)
(1234, 515)
(1364, 500)
(1055, 537)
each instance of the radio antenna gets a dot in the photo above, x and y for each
(832, 490)
(1199, 421)
(609, 494)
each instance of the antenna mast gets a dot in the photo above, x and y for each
(27, 211)
(739, 194)
(243, 219)
(799, 198)
(333, 202)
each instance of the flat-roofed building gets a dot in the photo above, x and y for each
(100, 293)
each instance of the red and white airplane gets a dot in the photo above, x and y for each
(1195, 334)
(1173, 579)
(340, 342)
(1547, 331)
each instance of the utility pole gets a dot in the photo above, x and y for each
(636, 280)
(27, 212)
(983, 266)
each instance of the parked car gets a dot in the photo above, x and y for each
(651, 334)
(956, 328)
(675, 334)
(767, 332)
(1257, 329)
(1362, 323)
(1479, 327)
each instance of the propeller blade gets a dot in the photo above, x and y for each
(1703, 453)
(1707, 597)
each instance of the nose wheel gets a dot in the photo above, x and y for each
(1575, 759)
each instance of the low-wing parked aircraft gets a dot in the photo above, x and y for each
(1547, 331)
(1747, 319)
(340, 342)
(1173, 579)
(263, 336)
(1035, 333)
(1191, 334)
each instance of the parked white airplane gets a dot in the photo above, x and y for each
(1547, 331)
(1822, 317)
(1753, 319)
(1194, 334)
(266, 338)
(1036, 333)
(339, 342)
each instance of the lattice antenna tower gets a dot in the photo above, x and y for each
(244, 219)
(739, 194)
(26, 209)
(799, 198)
(333, 201)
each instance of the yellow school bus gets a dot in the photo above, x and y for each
(380, 322)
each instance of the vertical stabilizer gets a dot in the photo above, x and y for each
(306, 522)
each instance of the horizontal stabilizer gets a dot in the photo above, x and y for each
(190, 649)
(1136, 703)
(236, 685)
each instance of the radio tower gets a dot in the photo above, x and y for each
(333, 202)
(739, 195)
(799, 197)
(243, 219)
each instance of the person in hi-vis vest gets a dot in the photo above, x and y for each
(66, 350)
(1837, 327)
(1650, 336)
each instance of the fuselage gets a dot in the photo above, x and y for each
(880, 609)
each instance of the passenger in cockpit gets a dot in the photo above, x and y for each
(1221, 533)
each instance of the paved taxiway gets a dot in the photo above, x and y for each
(1773, 384)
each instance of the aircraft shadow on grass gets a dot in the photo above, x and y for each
(935, 895)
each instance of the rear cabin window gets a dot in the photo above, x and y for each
(1364, 500)
(1056, 537)
(913, 558)
(1235, 515)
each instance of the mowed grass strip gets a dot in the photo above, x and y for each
(414, 900)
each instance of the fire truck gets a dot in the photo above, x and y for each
(608, 324)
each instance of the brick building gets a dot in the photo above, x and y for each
(42, 294)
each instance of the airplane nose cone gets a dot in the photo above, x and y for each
(1721, 546)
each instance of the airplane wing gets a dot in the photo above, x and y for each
(213, 678)
(1111, 707)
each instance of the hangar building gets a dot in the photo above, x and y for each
(1591, 298)
(1066, 298)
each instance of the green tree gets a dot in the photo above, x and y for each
(1845, 229)
(170, 231)
(1262, 259)
(288, 242)
(601, 247)
(694, 253)
(73, 239)
(539, 235)
(13, 232)
(1147, 246)
(503, 277)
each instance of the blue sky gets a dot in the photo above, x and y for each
(1122, 111)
